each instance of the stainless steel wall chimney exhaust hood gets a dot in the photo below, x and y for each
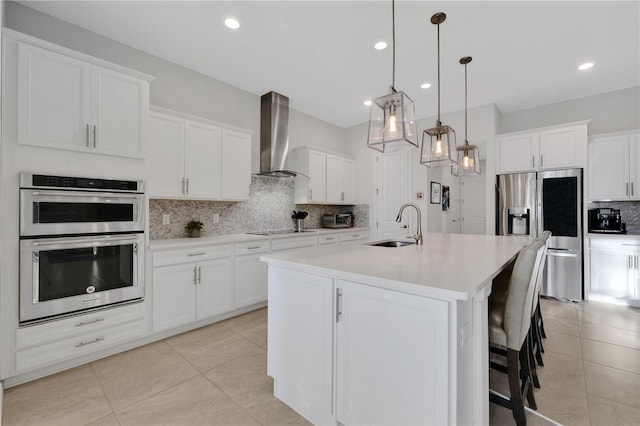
(274, 135)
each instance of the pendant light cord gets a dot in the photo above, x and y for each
(466, 142)
(393, 35)
(438, 74)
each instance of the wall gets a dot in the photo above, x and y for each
(608, 112)
(268, 209)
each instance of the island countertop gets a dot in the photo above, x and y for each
(447, 265)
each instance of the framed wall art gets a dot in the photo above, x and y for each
(445, 198)
(436, 196)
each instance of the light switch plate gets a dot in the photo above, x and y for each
(166, 219)
(216, 218)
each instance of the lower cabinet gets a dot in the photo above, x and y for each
(251, 273)
(57, 341)
(615, 269)
(332, 341)
(186, 290)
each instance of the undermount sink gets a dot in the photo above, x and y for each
(392, 243)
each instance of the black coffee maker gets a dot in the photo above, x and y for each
(605, 220)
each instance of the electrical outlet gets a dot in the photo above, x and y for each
(166, 219)
(216, 218)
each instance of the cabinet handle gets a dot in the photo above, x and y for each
(94, 135)
(338, 304)
(253, 247)
(183, 186)
(630, 262)
(311, 193)
(187, 186)
(627, 189)
(331, 239)
(199, 274)
(404, 226)
(81, 323)
(632, 189)
(541, 160)
(96, 340)
(195, 275)
(87, 136)
(197, 254)
(342, 196)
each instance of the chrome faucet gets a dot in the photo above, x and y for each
(418, 236)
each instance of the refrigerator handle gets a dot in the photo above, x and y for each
(562, 252)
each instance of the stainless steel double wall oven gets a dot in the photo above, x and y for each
(81, 244)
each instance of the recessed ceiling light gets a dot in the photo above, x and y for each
(367, 102)
(585, 66)
(232, 23)
(425, 85)
(380, 45)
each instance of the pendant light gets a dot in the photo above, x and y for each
(438, 143)
(468, 155)
(392, 123)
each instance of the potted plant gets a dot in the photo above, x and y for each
(194, 228)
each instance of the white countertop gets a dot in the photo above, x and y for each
(175, 243)
(447, 265)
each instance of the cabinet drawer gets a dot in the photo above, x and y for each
(195, 254)
(78, 325)
(328, 239)
(89, 342)
(353, 236)
(253, 247)
(297, 242)
(627, 244)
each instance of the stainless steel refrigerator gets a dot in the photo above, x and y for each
(529, 203)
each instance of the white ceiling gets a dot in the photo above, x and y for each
(320, 53)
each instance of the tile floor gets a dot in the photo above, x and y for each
(216, 375)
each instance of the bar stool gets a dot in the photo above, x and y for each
(509, 323)
(537, 325)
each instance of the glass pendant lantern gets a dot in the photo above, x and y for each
(392, 119)
(468, 155)
(438, 143)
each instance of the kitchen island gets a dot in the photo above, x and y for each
(385, 335)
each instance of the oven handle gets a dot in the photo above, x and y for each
(94, 240)
(84, 194)
(562, 252)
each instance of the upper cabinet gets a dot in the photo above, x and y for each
(614, 167)
(69, 103)
(197, 160)
(555, 147)
(331, 177)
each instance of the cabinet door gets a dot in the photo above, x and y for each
(203, 145)
(386, 374)
(174, 296)
(250, 280)
(609, 168)
(634, 166)
(236, 165)
(562, 148)
(317, 176)
(166, 156)
(215, 288)
(517, 153)
(119, 110)
(334, 179)
(300, 357)
(612, 272)
(348, 181)
(53, 99)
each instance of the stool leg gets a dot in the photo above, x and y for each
(525, 375)
(517, 406)
(532, 355)
(540, 321)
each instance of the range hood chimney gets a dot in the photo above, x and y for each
(274, 135)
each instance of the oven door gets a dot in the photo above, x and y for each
(60, 276)
(44, 212)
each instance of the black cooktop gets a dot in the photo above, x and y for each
(283, 231)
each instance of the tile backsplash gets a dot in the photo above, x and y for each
(629, 211)
(269, 208)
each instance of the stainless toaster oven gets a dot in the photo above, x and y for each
(342, 220)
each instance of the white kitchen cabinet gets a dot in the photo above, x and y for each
(557, 147)
(385, 375)
(615, 273)
(301, 342)
(191, 284)
(250, 273)
(331, 177)
(195, 159)
(236, 165)
(67, 103)
(340, 179)
(614, 167)
(44, 344)
(328, 239)
(357, 237)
